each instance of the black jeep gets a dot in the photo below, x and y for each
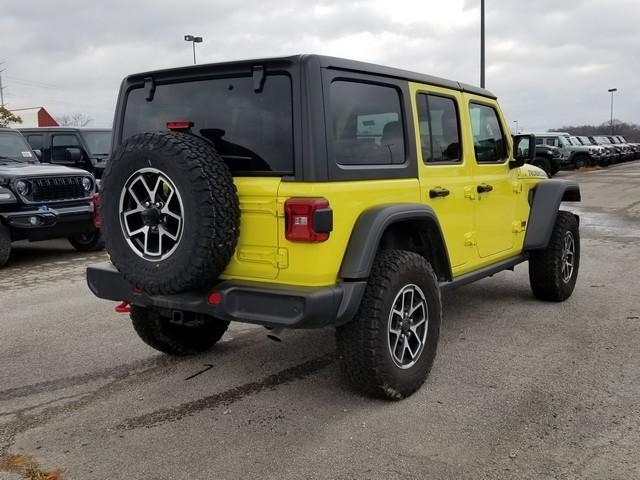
(86, 148)
(41, 202)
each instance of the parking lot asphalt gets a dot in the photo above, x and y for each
(520, 388)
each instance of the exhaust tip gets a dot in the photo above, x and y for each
(274, 334)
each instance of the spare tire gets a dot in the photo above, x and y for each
(170, 212)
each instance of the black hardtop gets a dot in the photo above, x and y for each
(63, 129)
(307, 61)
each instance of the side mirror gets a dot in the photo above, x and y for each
(74, 155)
(38, 153)
(524, 150)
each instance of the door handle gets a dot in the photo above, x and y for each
(484, 188)
(438, 192)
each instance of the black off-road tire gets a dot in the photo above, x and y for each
(211, 221)
(581, 161)
(363, 344)
(88, 242)
(164, 335)
(5, 245)
(546, 266)
(542, 163)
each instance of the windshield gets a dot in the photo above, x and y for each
(251, 130)
(575, 141)
(98, 143)
(14, 148)
(585, 141)
(613, 140)
(602, 140)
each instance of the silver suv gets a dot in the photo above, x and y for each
(577, 156)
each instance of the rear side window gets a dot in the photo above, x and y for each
(367, 126)
(439, 131)
(488, 140)
(252, 131)
(36, 141)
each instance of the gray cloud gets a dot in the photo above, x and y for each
(549, 62)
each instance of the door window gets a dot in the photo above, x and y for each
(489, 142)
(439, 129)
(36, 141)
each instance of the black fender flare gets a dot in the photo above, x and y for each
(545, 203)
(371, 226)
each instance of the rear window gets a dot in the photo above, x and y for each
(252, 131)
(367, 124)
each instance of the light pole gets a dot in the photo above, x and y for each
(516, 122)
(482, 43)
(193, 39)
(612, 91)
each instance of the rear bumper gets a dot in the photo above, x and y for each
(248, 302)
(40, 224)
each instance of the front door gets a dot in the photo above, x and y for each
(444, 163)
(495, 187)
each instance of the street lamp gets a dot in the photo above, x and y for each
(612, 91)
(193, 40)
(516, 122)
(482, 43)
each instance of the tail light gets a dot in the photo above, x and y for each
(96, 210)
(308, 219)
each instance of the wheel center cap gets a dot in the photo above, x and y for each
(151, 216)
(406, 324)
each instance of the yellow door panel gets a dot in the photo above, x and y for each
(495, 185)
(444, 186)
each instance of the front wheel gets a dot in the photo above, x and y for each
(388, 349)
(189, 335)
(88, 241)
(553, 271)
(581, 161)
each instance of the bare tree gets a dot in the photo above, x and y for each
(7, 117)
(74, 120)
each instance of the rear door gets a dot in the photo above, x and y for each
(444, 161)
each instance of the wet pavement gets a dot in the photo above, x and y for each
(520, 388)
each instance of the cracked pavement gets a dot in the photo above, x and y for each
(520, 389)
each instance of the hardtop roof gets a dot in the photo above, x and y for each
(329, 63)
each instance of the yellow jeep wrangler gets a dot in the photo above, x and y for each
(311, 191)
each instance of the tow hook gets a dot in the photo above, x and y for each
(123, 307)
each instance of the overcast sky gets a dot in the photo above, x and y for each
(549, 61)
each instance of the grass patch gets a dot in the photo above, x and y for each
(28, 468)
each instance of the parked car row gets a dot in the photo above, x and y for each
(581, 151)
(42, 200)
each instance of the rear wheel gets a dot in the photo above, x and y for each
(388, 349)
(553, 271)
(193, 333)
(87, 242)
(5, 245)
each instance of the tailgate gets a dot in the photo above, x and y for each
(257, 255)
